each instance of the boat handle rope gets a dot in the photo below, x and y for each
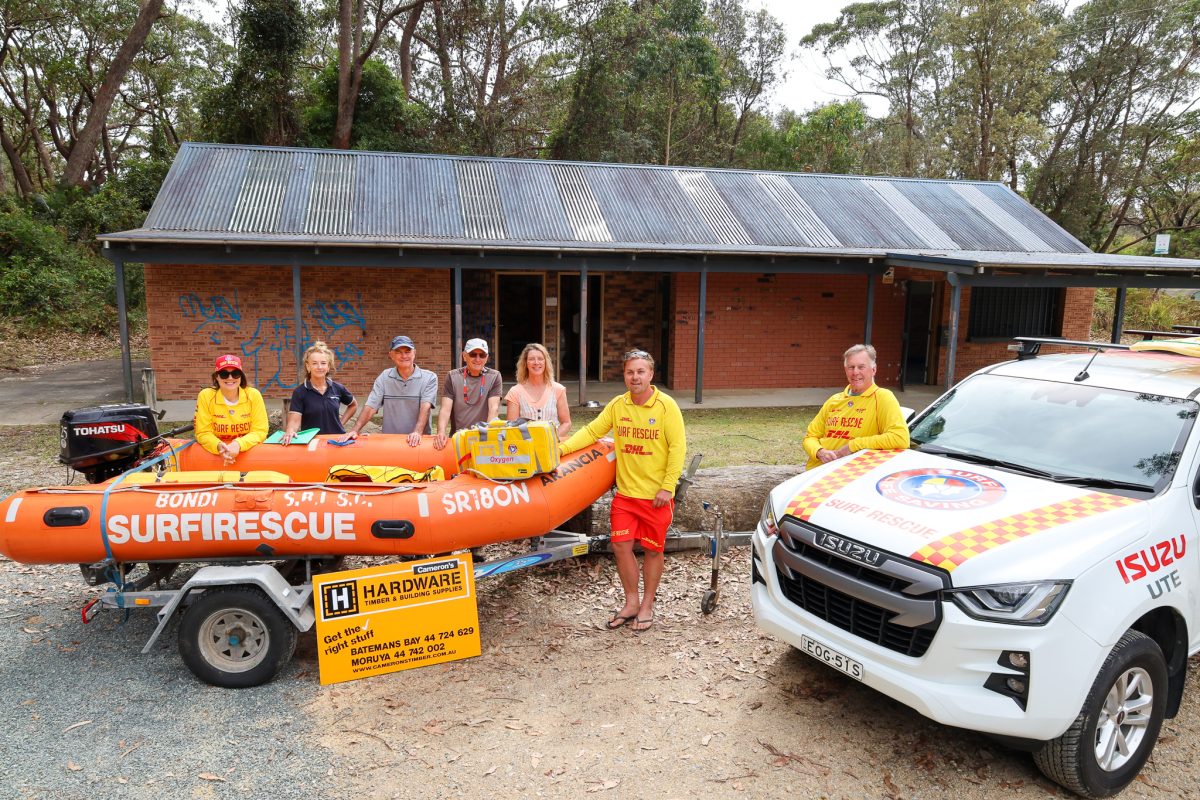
(111, 572)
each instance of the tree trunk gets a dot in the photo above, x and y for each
(346, 58)
(20, 174)
(84, 148)
(406, 68)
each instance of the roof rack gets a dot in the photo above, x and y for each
(1029, 346)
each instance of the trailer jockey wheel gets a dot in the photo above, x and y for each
(708, 603)
(235, 637)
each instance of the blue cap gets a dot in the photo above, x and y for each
(403, 341)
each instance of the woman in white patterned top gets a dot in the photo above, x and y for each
(536, 396)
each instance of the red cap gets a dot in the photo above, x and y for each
(228, 361)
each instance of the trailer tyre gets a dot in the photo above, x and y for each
(235, 637)
(1109, 742)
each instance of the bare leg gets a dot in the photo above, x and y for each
(627, 570)
(652, 570)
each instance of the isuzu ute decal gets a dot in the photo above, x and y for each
(807, 501)
(950, 551)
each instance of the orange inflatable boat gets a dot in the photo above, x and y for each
(277, 502)
(283, 512)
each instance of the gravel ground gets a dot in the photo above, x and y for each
(554, 707)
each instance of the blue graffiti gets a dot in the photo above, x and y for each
(215, 310)
(332, 317)
(269, 350)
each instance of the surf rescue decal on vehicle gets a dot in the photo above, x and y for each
(941, 489)
(950, 551)
(810, 499)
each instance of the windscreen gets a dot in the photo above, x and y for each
(1069, 430)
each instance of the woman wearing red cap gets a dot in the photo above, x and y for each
(231, 416)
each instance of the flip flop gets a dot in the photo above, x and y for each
(647, 622)
(620, 620)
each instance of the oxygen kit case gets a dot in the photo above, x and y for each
(501, 451)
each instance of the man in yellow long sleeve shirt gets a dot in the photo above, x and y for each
(651, 447)
(862, 416)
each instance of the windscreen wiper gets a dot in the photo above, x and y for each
(988, 461)
(1101, 483)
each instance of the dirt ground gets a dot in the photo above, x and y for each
(558, 707)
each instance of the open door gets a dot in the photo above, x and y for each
(919, 343)
(520, 304)
(569, 324)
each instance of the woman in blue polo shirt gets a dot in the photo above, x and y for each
(319, 400)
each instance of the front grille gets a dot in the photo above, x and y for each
(892, 603)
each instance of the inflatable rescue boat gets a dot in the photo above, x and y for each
(281, 502)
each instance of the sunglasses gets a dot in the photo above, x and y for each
(477, 355)
(226, 374)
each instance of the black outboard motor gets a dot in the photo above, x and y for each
(104, 441)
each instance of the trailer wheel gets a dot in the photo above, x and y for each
(1109, 742)
(235, 637)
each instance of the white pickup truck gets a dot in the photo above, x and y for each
(1027, 569)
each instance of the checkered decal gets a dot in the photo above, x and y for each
(806, 502)
(950, 551)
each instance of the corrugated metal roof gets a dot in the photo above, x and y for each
(263, 195)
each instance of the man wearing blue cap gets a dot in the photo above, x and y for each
(405, 393)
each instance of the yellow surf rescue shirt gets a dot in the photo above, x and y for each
(651, 443)
(217, 421)
(868, 421)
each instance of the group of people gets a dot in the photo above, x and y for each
(646, 426)
(231, 416)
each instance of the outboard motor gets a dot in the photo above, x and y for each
(104, 441)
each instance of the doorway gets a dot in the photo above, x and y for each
(569, 323)
(520, 300)
(919, 343)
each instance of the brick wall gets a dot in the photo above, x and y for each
(632, 309)
(1075, 317)
(761, 330)
(777, 330)
(199, 312)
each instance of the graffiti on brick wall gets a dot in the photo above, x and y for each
(267, 344)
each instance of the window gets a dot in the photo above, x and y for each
(1004, 312)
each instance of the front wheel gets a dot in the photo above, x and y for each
(235, 637)
(1109, 742)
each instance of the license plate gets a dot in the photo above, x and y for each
(833, 658)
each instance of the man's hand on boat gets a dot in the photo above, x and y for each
(439, 441)
(229, 451)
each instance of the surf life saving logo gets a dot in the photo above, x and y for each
(941, 489)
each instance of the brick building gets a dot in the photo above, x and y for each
(746, 279)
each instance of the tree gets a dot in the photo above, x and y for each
(257, 103)
(750, 47)
(893, 54)
(1128, 78)
(998, 57)
(383, 119)
(83, 150)
(354, 50)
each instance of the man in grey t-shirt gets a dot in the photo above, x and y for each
(405, 393)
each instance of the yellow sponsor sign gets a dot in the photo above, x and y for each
(396, 616)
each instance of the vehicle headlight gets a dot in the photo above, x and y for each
(1012, 603)
(767, 519)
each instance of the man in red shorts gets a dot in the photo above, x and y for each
(651, 447)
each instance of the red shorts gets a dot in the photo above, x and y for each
(634, 519)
